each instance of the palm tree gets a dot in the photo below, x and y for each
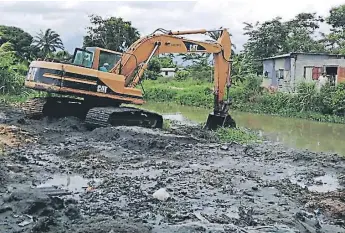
(62, 55)
(48, 41)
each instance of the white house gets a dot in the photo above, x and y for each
(168, 72)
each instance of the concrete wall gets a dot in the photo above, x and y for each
(314, 61)
(294, 69)
(283, 64)
(169, 74)
(268, 65)
(272, 66)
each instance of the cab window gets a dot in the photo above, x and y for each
(107, 60)
(83, 58)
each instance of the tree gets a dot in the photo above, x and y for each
(11, 71)
(335, 40)
(6, 47)
(19, 39)
(241, 67)
(266, 39)
(337, 17)
(301, 33)
(153, 69)
(167, 62)
(48, 42)
(275, 36)
(63, 55)
(110, 33)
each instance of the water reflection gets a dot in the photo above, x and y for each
(298, 133)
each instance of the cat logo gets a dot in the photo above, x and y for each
(193, 47)
(102, 89)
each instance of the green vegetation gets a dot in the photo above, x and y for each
(48, 42)
(166, 125)
(237, 135)
(110, 33)
(192, 85)
(327, 105)
(17, 49)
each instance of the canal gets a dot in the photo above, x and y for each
(297, 133)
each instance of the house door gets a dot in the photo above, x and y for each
(308, 73)
(341, 74)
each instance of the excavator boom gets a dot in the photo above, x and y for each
(145, 48)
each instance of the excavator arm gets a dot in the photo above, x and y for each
(141, 51)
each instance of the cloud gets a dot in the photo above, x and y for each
(70, 18)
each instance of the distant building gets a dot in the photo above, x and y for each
(168, 72)
(284, 72)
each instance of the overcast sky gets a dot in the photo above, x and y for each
(70, 18)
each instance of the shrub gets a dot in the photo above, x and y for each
(326, 105)
(181, 75)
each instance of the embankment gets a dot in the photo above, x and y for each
(307, 103)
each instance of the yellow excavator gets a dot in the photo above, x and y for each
(98, 81)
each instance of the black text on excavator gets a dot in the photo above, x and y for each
(98, 81)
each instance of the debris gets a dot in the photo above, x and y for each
(90, 189)
(161, 194)
(26, 222)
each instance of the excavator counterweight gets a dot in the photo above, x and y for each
(98, 81)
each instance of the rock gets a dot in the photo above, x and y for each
(26, 222)
(161, 194)
(224, 147)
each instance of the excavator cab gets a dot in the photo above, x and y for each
(95, 58)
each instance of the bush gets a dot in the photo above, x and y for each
(181, 75)
(326, 105)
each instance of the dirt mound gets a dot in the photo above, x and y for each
(108, 134)
(14, 136)
(332, 204)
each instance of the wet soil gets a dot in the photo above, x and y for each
(57, 176)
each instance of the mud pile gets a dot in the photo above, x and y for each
(72, 180)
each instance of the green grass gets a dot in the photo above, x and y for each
(166, 125)
(19, 98)
(248, 98)
(190, 93)
(238, 135)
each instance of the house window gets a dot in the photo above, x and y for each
(166, 73)
(280, 74)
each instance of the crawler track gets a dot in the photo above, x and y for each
(115, 116)
(95, 117)
(33, 108)
(56, 107)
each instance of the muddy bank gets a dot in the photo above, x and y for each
(56, 176)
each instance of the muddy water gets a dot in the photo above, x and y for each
(297, 133)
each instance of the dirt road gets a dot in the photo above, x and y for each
(56, 176)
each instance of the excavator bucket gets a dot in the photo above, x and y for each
(215, 121)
